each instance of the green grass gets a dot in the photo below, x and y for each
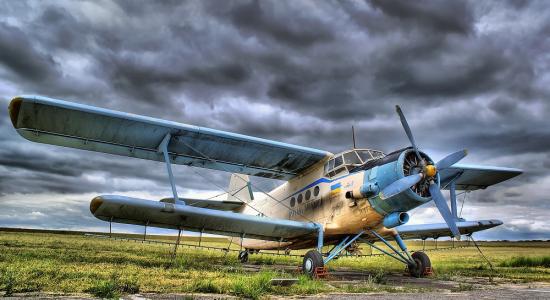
(526, 261)
(46, 262)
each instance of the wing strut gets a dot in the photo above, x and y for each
(452, 191)
(163, 147)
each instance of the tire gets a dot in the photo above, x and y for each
(312, 260)
(423, 264)
(243, 256)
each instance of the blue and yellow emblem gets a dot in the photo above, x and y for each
(335, 188)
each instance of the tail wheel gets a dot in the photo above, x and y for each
(312, 260)
(423, 265)
(243, 256)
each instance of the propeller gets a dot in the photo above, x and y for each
(428, 172)
(400, 185)
(408, 131)
(451, 159)
(441, 205)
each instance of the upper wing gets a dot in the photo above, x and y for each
(57, 122)
(127, 210)
(472, 177)
(423, 231)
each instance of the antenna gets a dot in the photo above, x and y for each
(353, 135)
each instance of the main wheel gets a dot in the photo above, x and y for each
(312, 260)
(243, 256)
(423, 265)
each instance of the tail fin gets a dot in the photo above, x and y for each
(240, 188)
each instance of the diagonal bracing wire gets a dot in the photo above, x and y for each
(483, 255)
(463, 200)
(280, 202)
(228, 192)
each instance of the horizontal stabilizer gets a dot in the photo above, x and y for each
(423, 231)
(473, 177)
(62, 123)
(121, 209)
(208, 203)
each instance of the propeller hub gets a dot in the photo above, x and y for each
(430, 170)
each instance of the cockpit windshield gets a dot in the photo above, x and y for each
(345, 161)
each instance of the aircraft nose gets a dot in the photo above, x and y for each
(95, 204)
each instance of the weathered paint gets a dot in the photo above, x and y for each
(338, 215)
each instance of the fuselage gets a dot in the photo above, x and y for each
(316, 196)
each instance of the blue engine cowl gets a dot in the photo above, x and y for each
(392, 168)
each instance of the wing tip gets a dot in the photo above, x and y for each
(14, 108)
(95, 204)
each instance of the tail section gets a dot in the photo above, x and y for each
(240, 188)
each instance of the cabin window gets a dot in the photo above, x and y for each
(316, 191)
(308, 195)
(292, 202)
(300, 199)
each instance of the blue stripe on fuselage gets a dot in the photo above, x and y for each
(320, 180)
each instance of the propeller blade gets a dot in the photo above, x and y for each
(451, 159)
(407, 130)
(400, 185)
(441, 204)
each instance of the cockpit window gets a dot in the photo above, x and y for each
(344, 162)
(338, 161)
(365, 155)
(351, 158)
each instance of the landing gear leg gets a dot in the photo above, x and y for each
(243, 256)
(312, 260)
(422, 266)
(418, 263)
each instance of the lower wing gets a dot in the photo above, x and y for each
(120, 209)
(423, 231)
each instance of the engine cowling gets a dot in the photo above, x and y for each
(391, 168)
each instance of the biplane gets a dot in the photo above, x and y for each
(357, 196)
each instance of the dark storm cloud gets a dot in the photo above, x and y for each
(62, 170)
(19, 55)
(438, 15)
(468, 74)
(263, 19)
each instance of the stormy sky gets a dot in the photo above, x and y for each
(468, 74)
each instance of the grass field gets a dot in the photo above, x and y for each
(73, 263)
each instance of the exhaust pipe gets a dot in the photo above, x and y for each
(395, 219)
